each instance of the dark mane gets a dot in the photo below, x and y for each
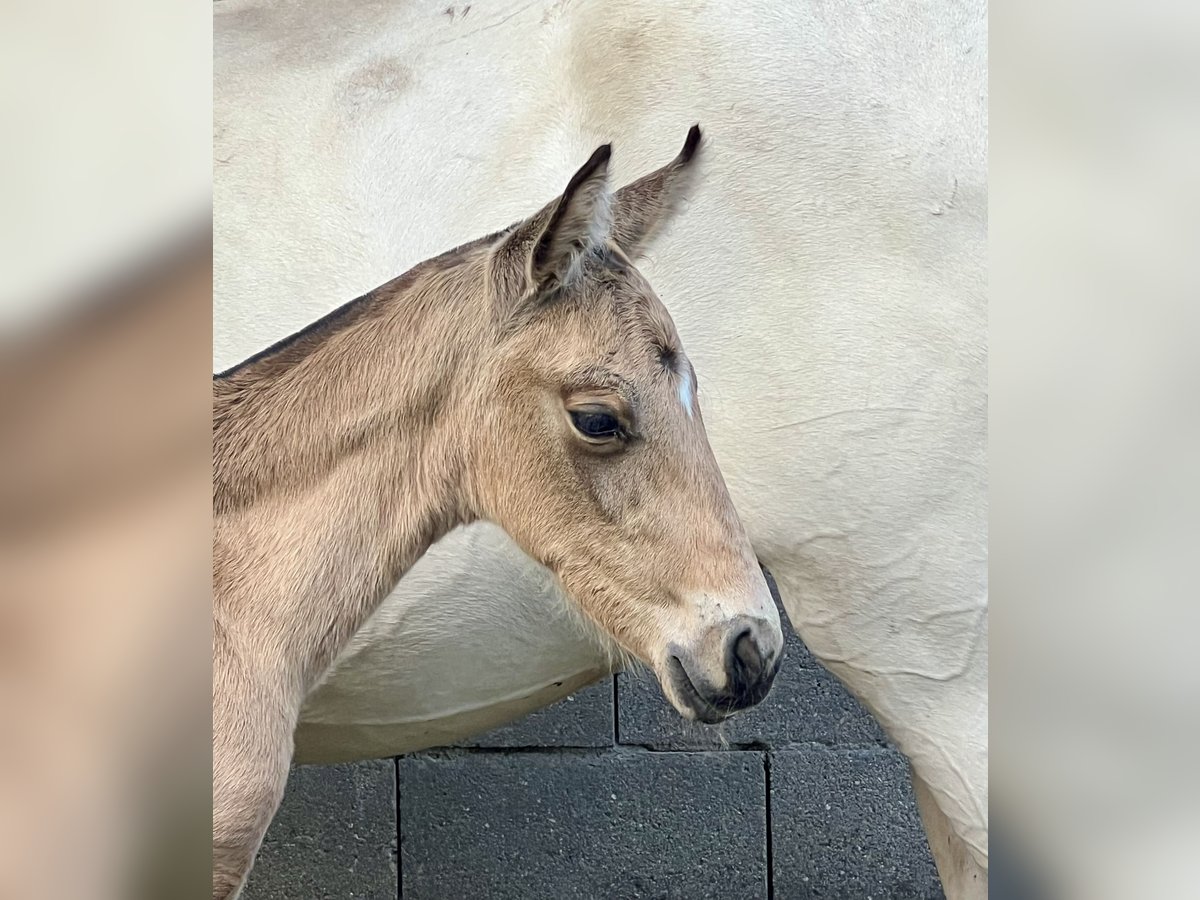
(289, 350)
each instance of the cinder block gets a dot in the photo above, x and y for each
(805, 705)
(844, 826)
(334, 836)
(585, 719)
(561, 825)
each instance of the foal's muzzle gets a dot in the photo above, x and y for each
(753, 650)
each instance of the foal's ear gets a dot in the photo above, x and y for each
(643, 207)
(546, 251)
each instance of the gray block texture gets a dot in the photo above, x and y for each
(558, 825)
(845, 826)
(584, 719)
(334, 837)
(548, 807)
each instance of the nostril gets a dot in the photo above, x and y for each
(748, 660)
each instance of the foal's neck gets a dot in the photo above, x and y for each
(337, 464)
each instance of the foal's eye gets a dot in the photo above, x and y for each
(595, 424)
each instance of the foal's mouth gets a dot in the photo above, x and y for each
(705, 711)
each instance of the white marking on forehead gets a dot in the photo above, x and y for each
(685, 390)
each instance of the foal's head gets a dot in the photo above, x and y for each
(589, 448)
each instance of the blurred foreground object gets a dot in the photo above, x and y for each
(105, 287)
(107, 143)
(1096, 691)
(104, 498)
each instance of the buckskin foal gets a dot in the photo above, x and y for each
(531, 378)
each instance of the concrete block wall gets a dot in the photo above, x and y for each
(609, 794)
